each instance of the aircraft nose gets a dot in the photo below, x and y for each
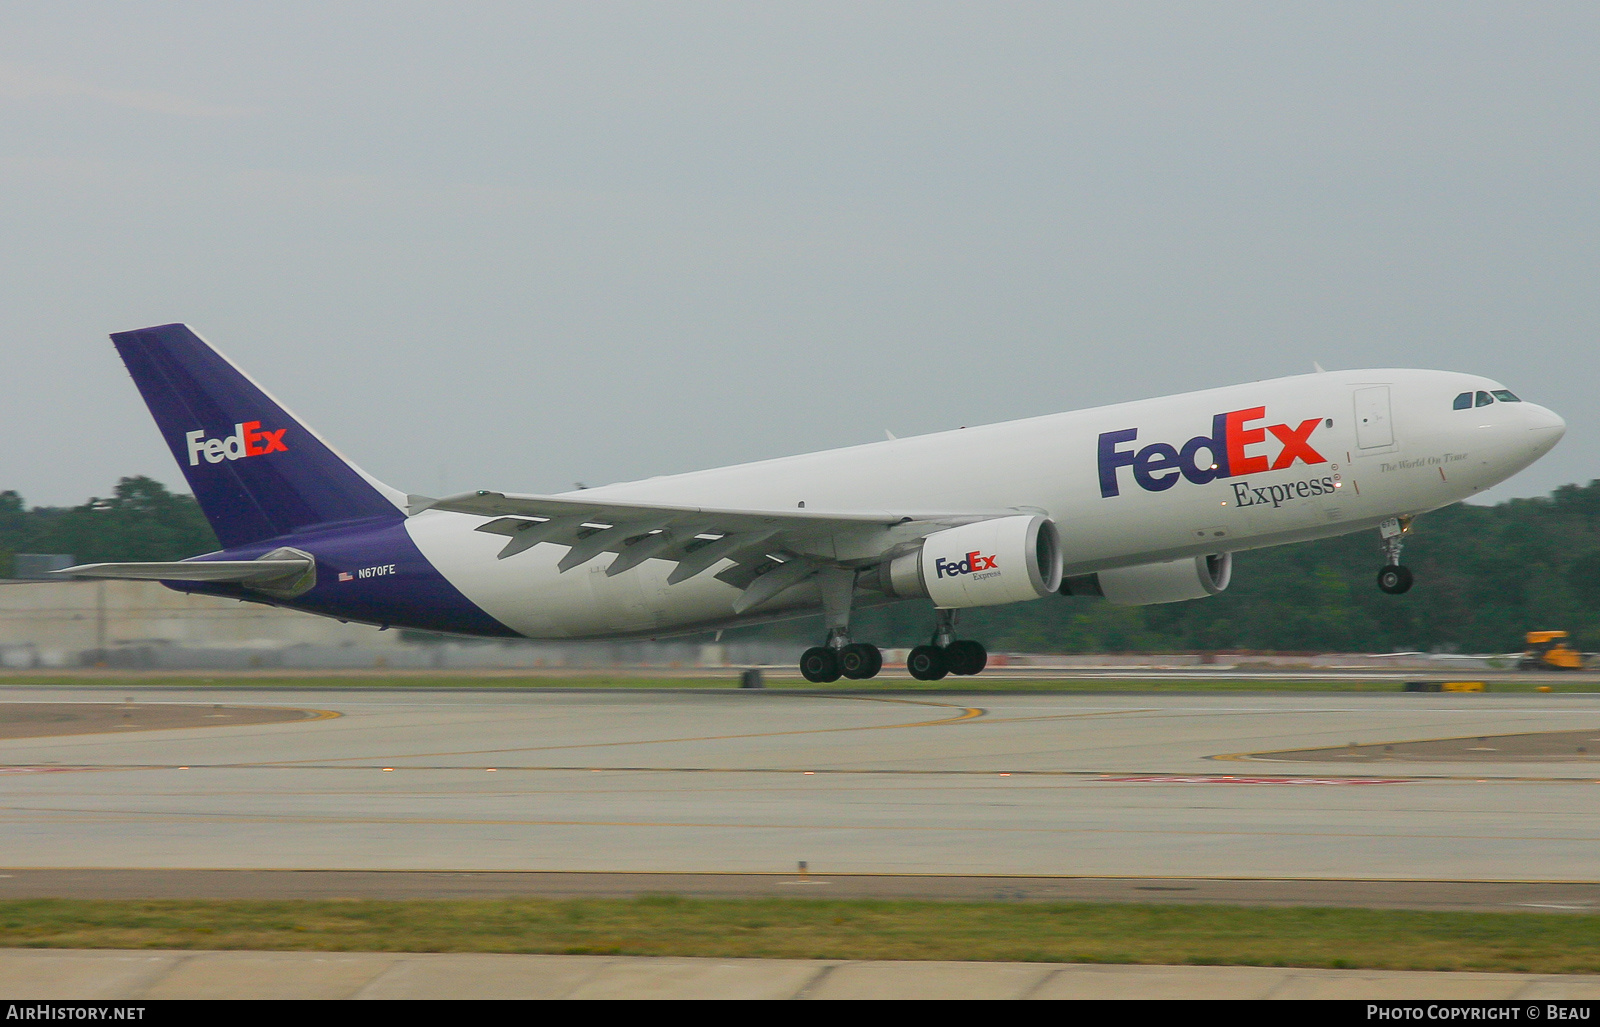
(1545, 425)
(1543, 419)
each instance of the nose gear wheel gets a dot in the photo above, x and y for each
(1394, 579)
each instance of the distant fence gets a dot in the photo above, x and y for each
(584, 656)
(588, 657)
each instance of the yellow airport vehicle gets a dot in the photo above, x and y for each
(1548, 650)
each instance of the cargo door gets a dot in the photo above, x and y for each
(1374, 429)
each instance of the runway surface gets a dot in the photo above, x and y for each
(754, 782)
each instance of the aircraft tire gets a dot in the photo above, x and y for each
(1394, 579)
(927, 663)
(860, 660)
(819, 664)
(966, 657)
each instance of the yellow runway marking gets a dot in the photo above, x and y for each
(139, 729)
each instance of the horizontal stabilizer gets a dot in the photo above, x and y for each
(242, 571)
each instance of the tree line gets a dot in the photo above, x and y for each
(1485, 575)
(140, 520)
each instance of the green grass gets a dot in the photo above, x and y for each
(821, 929)
(892, 682)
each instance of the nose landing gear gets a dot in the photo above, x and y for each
(1393, 578)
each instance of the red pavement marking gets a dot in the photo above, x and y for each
(1234, 779)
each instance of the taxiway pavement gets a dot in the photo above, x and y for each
(45, 974)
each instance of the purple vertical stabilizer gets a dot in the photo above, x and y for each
(257, 472)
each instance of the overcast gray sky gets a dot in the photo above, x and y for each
(516, 246)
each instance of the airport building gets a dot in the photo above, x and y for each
(48, 623)
(145, 625)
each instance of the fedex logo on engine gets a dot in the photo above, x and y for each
(1230, 451)
(972, 563)
(247, 440)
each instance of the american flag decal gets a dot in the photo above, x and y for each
(346, 576)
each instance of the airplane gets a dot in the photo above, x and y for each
(1143, 502)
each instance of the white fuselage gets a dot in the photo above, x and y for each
(1362, 447)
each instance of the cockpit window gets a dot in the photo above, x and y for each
(1506, 396)
(1463, 402)
(1484, 399)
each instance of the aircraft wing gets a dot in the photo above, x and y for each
(781, 547)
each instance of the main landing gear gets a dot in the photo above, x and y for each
(945, 654)
(1393, 578)
(840, 657)
(855, 660)
(932, 662)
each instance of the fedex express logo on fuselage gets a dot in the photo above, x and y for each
(1230, 451)
(247, 440)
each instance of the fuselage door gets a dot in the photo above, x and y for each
(1374, 430)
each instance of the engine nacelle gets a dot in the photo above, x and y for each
(1150, 583)
(1004, 560)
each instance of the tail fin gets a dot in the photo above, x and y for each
(256, 471)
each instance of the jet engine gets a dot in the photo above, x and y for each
(1004, 560)
(1150, 583)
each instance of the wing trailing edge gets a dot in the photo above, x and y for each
(772, 549)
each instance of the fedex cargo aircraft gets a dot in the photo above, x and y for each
(1139, 502)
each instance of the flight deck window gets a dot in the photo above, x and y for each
(1463, 402)
(1506, 396)
(1484, 399)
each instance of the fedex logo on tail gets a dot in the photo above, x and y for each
(247, 440)
(1232, 450)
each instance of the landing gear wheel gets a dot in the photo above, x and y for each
(1394, 579)
(966, 657)
(927, 663)
(819, 664)
(860, 660)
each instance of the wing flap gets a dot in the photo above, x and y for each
(693, 561)
(695, 537)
